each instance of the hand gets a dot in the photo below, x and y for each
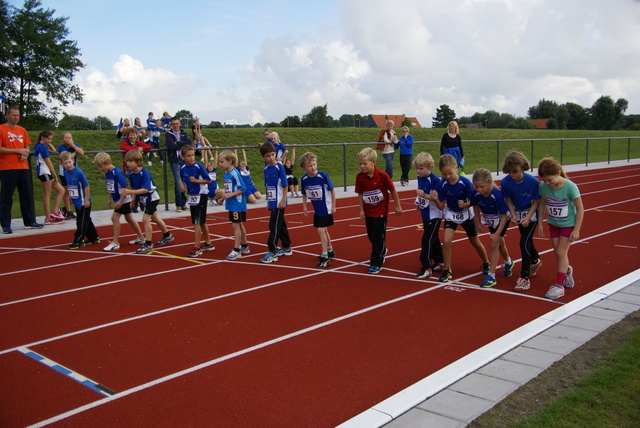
(524, 222)
(398, 210)
(460, 203)
(575, 235)
(192, 179)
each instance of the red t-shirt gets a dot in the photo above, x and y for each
(375, 192)
(13, 138)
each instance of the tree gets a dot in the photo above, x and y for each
(72, 122)
(578, 117)
(444, 115)
(291, 122)
(544, 110)
(37, 59)
(407, 122)
(186, 118)
(316, 118)
(102, 122)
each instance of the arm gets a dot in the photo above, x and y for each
(87, 195)
(542, 210)
(394, 194)
(575, 235)
(361, 204)
(503, 223)
(333, 201)
(534, 207)
(477, 218)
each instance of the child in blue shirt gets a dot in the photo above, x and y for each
(317, 187)
(144, 188)
(491, 209)
(80, 196)
(116, 180)
(253, 194)
(275, 180)
(46, 173)
(195, 181)
(234, 195)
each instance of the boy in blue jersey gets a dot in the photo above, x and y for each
(150, 120)
(491, 209)
(275, 180)
(144, 188)
(195, 180)
(317, 187)
(116, 180)
(155, 129)
(234, 195)
(80, 195)
(456, 191)
(431, 252)
(253, 194)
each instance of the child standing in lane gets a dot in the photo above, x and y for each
(522, 195)
(317, 187)
(275, 181)
(562, 203)
(457, 191)
(144, 188)
(431, 252)
(80, 195)
(195, 180)
(373, 187)
(253, 194)
(235, 202)
(491, 209)
(116, 180)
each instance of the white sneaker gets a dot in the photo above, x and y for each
(137, 241)
(234, 255)
(111, 247)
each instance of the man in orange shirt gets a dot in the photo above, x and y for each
(14, 172)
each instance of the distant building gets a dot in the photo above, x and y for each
(540, 123)
(473, 125)
(380, 120)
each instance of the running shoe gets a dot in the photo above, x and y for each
(332, 254)
(438, 267)
(92, 242)
(555, 292)
(164, 241)
(522, 284)
(284, 252)
(70, 216)
(196, 252)
(269, 258)
(508, 268)
(7, 230)
(324, 262)
(208, 247)
(137, 241)
(489, 281)
(34, 225)
(234, 255)
(424, 273)
(535, 266)
(49, 222)
(76, 245)
(111, 247)
(144, 249)
(486, 267)
(446, 275)
(373, 270)
(57, 215)
(244, 249)
(178, 209)
(569, 282)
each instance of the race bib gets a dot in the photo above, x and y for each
(373, 197)
(228, 186)
(271, 193)
(520, 215)
(111, 186)
(193, 200)
(558, 210)
(74, 193)
(491, 220)
(457, 216)
(212, 176)
(143, 199)
(422, 203)
(314, 193)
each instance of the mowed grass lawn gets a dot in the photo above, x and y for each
(337, 148)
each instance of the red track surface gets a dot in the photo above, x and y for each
(209, 342)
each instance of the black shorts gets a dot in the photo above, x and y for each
(504, 230)
(124, 209)
(199, 212)
(237, 216)
(469, 226)
(45, 177)
(63, 181)
(292, 181)
(151, 207)
(322, 220)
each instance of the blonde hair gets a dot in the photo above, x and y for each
(455, 125)
(550, 167)
(228, 155)
(515, 161)
(101, 159)
(424, 159)
(274, 137)
(447, 160)
(64, 156)
(134, 156)
(390, 122)
(482, 174)
(367, 154)
(307, 157)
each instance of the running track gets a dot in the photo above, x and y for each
(163, 340)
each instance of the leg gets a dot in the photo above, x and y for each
(527, 249)
(181, 199)
(46, 198)
(323, 233)
(134, 225)
(376, 231)
(283, 232)
(115, 220)
(59, 196)
(446, 246)
(26, 201)
(388, 159)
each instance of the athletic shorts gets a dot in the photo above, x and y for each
(469, 226)
(237, 216)
(151, 207)
(124, 209)
(322, 220)
(63, 180)
(292, 181)
(557, 232)
(45, 177)
(492, 230)
(199, 212)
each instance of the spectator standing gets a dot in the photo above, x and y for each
(387, 140)
(405, 143)
(175, 140)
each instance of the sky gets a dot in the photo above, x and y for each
(248, 61)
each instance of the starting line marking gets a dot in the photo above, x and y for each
(178, 257)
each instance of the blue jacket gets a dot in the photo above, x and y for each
(175, 144)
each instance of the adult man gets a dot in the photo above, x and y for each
(175, 140)
(14, 172)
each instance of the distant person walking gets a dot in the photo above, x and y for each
(387, 140)
(405, 143)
